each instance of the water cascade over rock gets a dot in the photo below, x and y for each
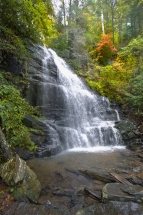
(74, 115)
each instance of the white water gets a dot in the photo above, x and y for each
(79, 118)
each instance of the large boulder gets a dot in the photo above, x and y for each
(122, 192)
(22, 179)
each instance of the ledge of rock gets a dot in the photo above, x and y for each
(122, 193)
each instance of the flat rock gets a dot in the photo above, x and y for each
(98, 176)
(113, 208)
(122, 192)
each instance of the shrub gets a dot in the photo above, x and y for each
(13, 108)
(105, 49)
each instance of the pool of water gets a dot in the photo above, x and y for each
(62, 181)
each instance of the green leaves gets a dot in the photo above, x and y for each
(13, 108)
(134, 93)
(21, 20)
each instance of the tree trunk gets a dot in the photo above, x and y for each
(102, 21)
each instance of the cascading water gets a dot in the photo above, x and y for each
(75, 116)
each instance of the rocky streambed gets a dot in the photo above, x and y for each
(87, 183)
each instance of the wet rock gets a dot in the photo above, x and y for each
(113, 208)
(63, 192)
(32, 122)
(122, 192)
(130, 134)
(25, 184)
(101, 176)
(23, 153)
(47, 151)
(31, 209)
(136, 181)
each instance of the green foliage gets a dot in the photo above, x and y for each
(109, 81)
(22, 21)
(132, 53)
(11, 44)
(13, 108)
(123, 80)
(134, 92)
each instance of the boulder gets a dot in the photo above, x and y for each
(122, 192)
(112, 208)
(29, 189)
(23, 180)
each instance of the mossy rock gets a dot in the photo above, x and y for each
(22, 179)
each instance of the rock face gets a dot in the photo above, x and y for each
(113, 208)
(25, 184)
(60, 94)
(129, 132)
(122, 193)
(4, 147)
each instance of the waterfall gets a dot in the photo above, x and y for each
(75, 116)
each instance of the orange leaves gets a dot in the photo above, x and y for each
(105, 49)
(105, 41)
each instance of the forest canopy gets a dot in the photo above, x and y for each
(102, 40)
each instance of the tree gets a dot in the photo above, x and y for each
(105, 49)
(21, 20)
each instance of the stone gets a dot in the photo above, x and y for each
(31, 209)
(113, 208)
(23, 180)
(19, 171)
(7, 171)
(98, 176)
(23, 153)
(29, 188)
(32, 122)
(48, 151)
(13, 171)
(129, 133)
(122, 192)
